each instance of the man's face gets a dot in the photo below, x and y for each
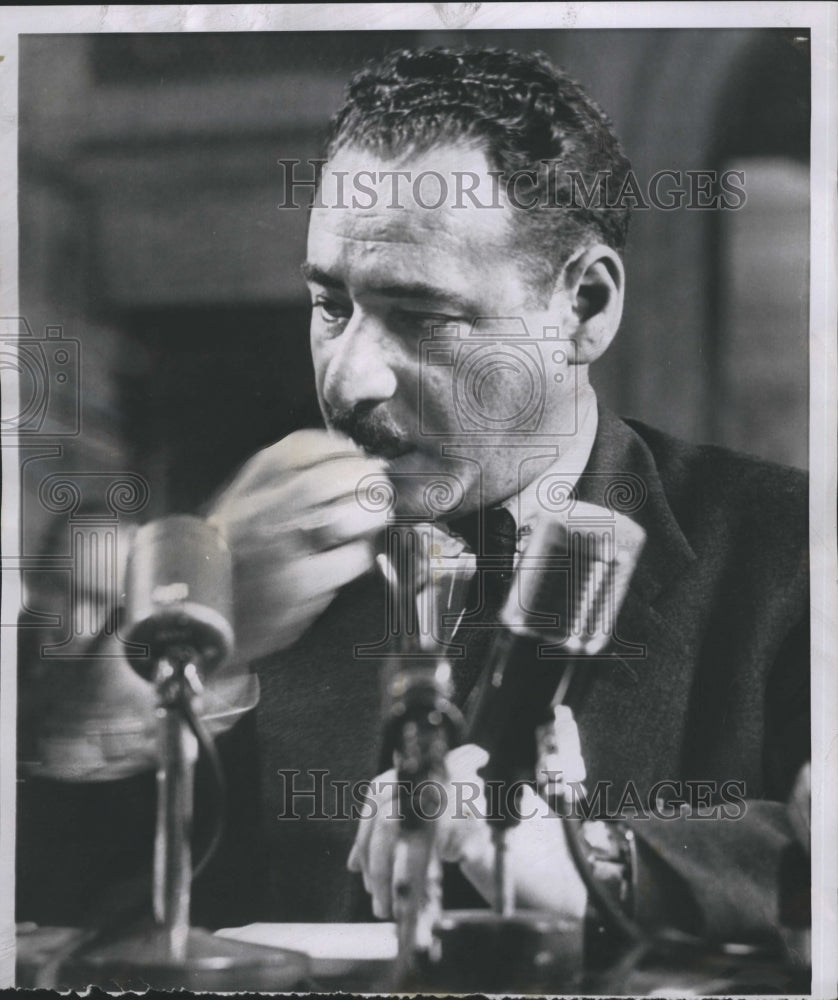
(401, 365)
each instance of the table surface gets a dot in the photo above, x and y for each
(354, 957)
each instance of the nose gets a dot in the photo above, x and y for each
(360, 369)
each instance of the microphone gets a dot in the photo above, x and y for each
(179, 593)
(563, 606)
(179, 605)
(427, 572)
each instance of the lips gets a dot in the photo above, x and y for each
(380, 440)
(388, 450)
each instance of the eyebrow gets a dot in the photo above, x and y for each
(316, 275)
(418, 290)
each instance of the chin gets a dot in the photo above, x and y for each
(428, 487)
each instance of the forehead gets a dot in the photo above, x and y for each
(394, 226)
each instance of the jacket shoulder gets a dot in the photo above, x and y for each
(724, 490)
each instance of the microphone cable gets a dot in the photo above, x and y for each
(218, 785)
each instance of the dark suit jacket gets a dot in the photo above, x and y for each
(719, 608)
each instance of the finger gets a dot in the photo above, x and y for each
(337, 524)
(382, 848)
(466, 760)
(271, 505)
(279, 585)
(353, 862)
(357, 860)
(377, 802)
(464, 824)
(375, 842)
(462, 831)
(298, 451)
(311, 530)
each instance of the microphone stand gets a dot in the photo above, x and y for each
(177, 685)
(421, 725)
(567, 590)
(176, 556)
(171, 954)
(417, 872)
(508, 949)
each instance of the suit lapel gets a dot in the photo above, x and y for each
(621, 475)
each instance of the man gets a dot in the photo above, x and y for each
(715, 710)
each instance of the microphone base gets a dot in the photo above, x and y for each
(211, 964)
(484, 952)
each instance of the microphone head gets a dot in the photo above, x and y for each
(426, 570)
(573, 577)
(179, 593)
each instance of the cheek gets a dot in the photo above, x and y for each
(320, 357)
(482, 393)
(500, 388)
(497, 385)
(435, 400)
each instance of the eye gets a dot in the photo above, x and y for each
(331, 311)
(425, 322)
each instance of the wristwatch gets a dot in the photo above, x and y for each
(611, 852)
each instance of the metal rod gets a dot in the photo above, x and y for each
(504, 901)
(178, 753)
(417, 897)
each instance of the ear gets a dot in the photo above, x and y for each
(592, 286)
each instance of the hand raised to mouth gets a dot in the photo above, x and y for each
(298, 534)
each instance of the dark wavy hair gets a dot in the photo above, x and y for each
(524, 114)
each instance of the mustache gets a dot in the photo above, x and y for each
(372, 429)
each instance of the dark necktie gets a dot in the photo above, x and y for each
(492, 536)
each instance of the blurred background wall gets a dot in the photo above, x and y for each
(149, 231)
